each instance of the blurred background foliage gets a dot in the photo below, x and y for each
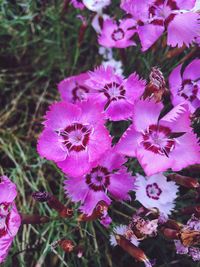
(39, 46)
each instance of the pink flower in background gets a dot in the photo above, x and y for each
(9, 217)
(77, 4)
(106, 175)
(153, 17)
(116, 94)
(74, 136)
(186, 87)
(117, 35)
(159, 144)
(73, 89)
(156, 192)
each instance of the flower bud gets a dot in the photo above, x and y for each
(186, 181)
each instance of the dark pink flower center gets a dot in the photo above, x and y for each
(189, 90)
(4, 218)
(79, 92)
(153, 191)
(118, 34)
(98, 179)
(76, 136)
(157, 140)
(113, 91)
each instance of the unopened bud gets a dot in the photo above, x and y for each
(134, 251)
(186, 181)
(41, 196)
(66, 245)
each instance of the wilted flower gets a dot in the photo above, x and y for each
(124, 231)
(186, 87)
(10, 220)
(156, 88)
(116, 94)
(74, 136)
(156, 192)
(117, 35)
(161, 142)
(143, 227)
(107, 175)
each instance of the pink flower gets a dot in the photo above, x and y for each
(186, 87)
(9, 217)
(160, 144)
(156, 192)
(117, 35)
(73, 89)
(106, 175)
(115, 94)
(153, 17)
(77, 4)
(74, 136)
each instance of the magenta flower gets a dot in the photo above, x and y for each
(160, 144)
(73, 89)
(116, 94)
(77, 4)
(9, 217)
(156, 192)
(117, 35)
(153, 17)
(106, 175)
(186, 87)
(74, 136)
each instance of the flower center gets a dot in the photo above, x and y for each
(4, 218)
(113, 91)
(153, 191)
(157, 140)
(98, 179)
(118, 34)
(76, 137)
(79, 93)
(189, 90)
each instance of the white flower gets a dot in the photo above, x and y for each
(115, 64)
(122, 230)
(96, 5)
(156, 192)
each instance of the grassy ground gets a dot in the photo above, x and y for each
(38, 48)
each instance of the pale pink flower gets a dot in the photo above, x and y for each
(159, 144)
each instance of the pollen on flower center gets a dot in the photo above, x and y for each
(156, 139)
(153, 191)
(76, 137)
(98, 179)
(118, 35)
